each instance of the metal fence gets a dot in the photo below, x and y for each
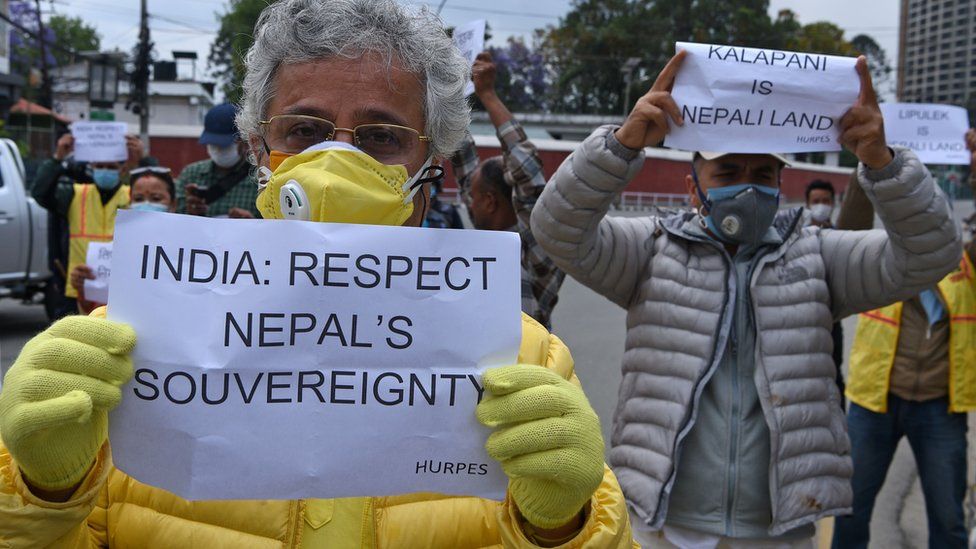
(627, 201)
(640, 201)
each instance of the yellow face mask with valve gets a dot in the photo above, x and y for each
(337, 183)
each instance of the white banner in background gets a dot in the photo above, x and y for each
(99, 259)
(99, 141)
(286, 359)
(470, 39)
(749, 100)
(936, 133)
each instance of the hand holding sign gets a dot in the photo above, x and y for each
(134, 151)
(862, 128)
(648, 122)
(56, 398)
(542, 420)
(483, 74)
(66, 145)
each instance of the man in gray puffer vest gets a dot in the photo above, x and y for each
(728, 429)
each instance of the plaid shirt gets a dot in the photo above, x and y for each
(541, 278)
(204, 174)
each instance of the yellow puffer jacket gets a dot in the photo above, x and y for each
(110, 509)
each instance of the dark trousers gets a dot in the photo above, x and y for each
(938, 441)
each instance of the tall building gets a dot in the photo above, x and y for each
(937, 52)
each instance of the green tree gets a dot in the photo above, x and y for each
(588, 47)
(877, 62)
(591, 43)
(234, 38)
(73, 33)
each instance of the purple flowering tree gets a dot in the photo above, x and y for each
(25, 51)
(523, 76)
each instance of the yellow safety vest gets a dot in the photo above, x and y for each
(89, 220)
(876, 341)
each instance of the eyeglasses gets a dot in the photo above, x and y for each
(150, 169)
(388, 143)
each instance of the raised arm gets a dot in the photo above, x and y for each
(570, 223)
(523, 167)
(856, 211)
(46, 188)
(523, 173)
(920, 242)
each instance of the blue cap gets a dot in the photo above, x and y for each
(218, 126)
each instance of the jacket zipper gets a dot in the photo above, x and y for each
(733, 432)
(662, 504)
(758, 351)
(736, 392)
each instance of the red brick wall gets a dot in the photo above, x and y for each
(668, 176)
(176, 152)
(658, 175)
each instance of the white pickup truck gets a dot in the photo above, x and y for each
(24, 272)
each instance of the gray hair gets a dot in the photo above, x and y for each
(297, 31)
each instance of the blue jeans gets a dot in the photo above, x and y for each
(938, 441)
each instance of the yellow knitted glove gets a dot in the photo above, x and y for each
(547, 439)
(56, 397)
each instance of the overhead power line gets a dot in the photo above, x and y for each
(35, 36)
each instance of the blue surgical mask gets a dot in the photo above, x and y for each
(740, 214)
(149, 207)
(106, 179)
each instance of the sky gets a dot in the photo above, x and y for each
(192, 24)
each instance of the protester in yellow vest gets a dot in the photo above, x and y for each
(88, 206)
(913, 374)
(151, 189)
(391, 75)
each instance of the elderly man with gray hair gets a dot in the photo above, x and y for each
(358, 101)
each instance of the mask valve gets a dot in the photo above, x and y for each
(294, 201)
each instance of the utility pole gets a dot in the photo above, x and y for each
(139, 84)
(44, 98)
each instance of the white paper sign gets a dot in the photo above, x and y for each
(286, 359)
(99, 259)
(935, 132)
(99, 141)
(749, 100)
(470, 39)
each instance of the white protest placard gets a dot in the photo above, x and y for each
(99, 259)
(99, 141)
(936, 133)
(286, 359)
(470, 39)
(749, 100)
